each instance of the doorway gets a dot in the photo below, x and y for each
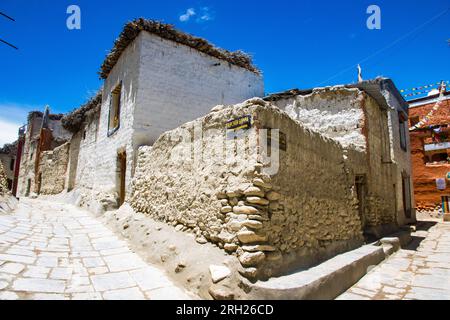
(361, 191)
(406, 188)
(28, 188)
(122, 170)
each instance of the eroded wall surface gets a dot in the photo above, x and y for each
(273, 221)
(53, 169)
(354, 120)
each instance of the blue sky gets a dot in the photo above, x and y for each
(299, 44)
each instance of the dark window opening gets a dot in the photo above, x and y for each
(406, 186)
(122, 169)
(10, 183)
(437, 158)
(28, 188)
(11, 164)
(413, 121)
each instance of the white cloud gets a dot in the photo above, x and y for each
(203, 14)
(8, 131)
(187, 16)
(206, 15)
(12, 117)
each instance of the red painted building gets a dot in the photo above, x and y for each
(429, 119)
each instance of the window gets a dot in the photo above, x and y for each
(402, 127)
(11, 165)
(114, 110)
(436, 158)
(414, 120)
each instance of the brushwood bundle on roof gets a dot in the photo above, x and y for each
(167, 31)
(40, 114)
(74, 120)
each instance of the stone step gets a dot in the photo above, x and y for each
(323, 282)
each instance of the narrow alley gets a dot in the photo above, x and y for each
(55, 251)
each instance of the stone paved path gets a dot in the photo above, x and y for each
(421, 273)
(53, 251)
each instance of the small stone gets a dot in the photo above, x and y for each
(224, 202)
(226, 237)
(221, 195)
(245, 210)
(252, 224)
(250, 259)
(235, 225)
(260, 183)
(201, 240)
(180, 267)
(273, 196)
(126, 226)
(230, 247)
(250, 273)
(264, 248)
(172, 247)
(179, 227)
(258, 200)
(250, 237)
(221, 293)
(257, 218)
(218, 273)
(226, 209)
(254, 191)
(234, 202)
(232, 194)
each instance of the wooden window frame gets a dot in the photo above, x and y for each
(116, 91)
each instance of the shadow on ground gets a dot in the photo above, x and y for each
(416, 240)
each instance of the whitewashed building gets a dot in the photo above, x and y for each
(156, 78)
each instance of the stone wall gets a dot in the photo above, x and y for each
(352, 118)
(33, 147)
(52, 170)
(273, 221)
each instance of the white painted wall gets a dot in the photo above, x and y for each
(178, 84)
